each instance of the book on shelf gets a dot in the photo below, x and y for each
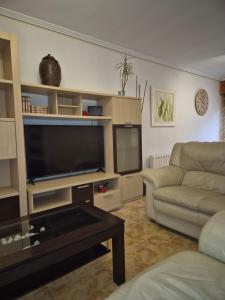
(38, 109)
(28, 107)
(26, 104)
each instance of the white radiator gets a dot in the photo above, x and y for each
(159, 160)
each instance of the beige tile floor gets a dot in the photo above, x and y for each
(145, 244)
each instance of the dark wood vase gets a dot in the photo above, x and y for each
(50, 71)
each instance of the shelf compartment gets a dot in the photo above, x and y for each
(47, 200)
(6, 100)
(69, 105)
(8, 139)
(111, 185)
(6, 192)
(5, 59)
(104, 103)
(8, 177)
(36, 101)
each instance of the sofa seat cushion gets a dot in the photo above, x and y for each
(184, 196)
(186, 275)
(205, 180)
(211, 206)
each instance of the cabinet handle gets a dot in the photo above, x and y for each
(87, 201)
(83, 186)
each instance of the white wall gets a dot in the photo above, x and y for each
(90, 67)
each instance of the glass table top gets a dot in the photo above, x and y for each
(32, 231)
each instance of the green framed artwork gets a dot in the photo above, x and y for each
(163, 107)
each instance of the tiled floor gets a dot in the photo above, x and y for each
(145, 244)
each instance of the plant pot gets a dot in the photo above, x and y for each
(121, 93)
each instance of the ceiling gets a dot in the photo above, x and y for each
(189, 34)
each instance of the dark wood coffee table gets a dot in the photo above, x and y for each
(68, 238)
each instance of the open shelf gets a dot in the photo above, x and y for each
(5, 58)
(6, 100)
(51, 116)
(62, 92)
(43, 201)
(5, 83)
(68, 106)
(7, 119)
(7, 139)
(6, 192)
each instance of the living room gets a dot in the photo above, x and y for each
(183, 61)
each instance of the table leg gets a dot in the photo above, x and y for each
(118, 257)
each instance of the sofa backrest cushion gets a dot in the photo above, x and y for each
(175, 155)
(200, 156)
(211, 241)
(205, 180)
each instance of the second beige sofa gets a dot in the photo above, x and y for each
(185, 194)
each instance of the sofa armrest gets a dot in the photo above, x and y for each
(212, 237)
(166, 176)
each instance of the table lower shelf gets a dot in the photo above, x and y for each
(46, 275)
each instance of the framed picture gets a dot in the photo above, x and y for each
(163, 110)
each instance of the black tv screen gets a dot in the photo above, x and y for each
(53, 150)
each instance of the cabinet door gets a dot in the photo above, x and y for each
(82, 194)
(126, 111)
(132, 186)
(8, 140)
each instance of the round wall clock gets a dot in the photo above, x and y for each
(201, 102)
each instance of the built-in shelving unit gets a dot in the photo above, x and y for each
(58, 103)
(12, 161)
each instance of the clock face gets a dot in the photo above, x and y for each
(201, 102)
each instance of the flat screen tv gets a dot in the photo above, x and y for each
(58, 150)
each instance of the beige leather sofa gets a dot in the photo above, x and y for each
(185, 194)
(187, 275)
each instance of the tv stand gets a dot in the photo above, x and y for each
(58, 192)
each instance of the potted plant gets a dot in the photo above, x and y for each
(126, 69)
